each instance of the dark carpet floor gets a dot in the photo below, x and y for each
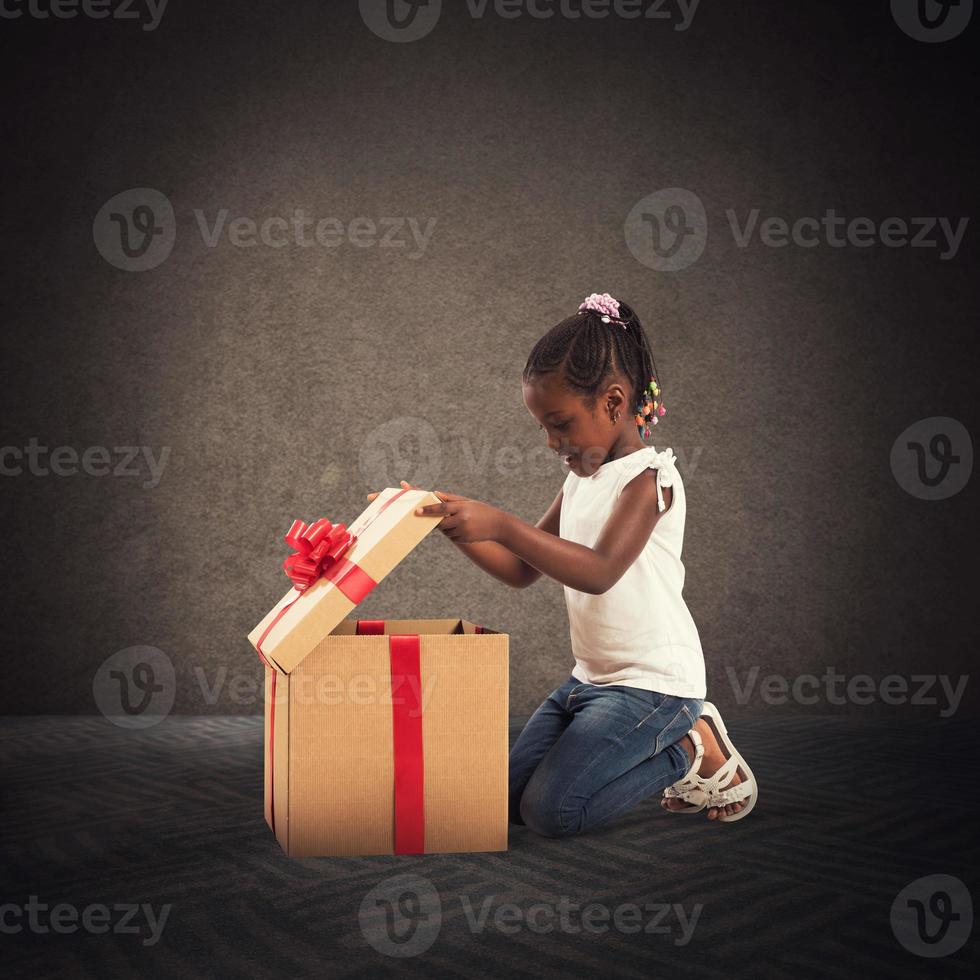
(164, 828)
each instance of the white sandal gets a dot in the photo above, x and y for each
(700, 792)
(688, 789)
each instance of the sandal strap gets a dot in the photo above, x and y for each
(707, 791)
(680, 789)
(734, 794)
(698, 755)
(695, 800)
(690, 783)
(722, 775)
(700, 792)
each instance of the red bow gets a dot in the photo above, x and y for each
(316, 547)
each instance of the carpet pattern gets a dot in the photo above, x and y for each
(167, 823)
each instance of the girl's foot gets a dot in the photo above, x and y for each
(713, 760)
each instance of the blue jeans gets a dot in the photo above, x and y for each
(591, 752)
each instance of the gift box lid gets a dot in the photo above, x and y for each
(382, 536)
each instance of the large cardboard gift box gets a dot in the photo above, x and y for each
(381, 736)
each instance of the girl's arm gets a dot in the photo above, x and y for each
(497, 560)
(597, 569)
(503, 564)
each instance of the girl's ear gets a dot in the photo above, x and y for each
(616, 397)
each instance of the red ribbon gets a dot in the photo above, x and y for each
(406, 736)
(317, 547)
(318, 552)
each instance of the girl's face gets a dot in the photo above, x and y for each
(583, 439)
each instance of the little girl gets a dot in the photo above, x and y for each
(631, 719)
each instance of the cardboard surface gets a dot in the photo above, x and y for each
(341, 770)
(387, 530)
(331, 749)
(277, 756)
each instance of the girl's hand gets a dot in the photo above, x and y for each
(466, 520)
(408, 486)
(405, 486)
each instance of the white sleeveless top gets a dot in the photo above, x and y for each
(640, 633)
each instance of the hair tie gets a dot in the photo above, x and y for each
(605, 304)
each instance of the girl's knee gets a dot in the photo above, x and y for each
(544, 816)
(542, 821)
(514, 809)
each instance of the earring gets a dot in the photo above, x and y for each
(616, 418)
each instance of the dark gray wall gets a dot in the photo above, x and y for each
(288, 382)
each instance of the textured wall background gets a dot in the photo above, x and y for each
(289, 381)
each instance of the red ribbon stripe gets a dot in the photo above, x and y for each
(319, 550)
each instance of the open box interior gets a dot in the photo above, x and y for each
(422, 627)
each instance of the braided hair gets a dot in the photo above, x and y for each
(586, 353)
